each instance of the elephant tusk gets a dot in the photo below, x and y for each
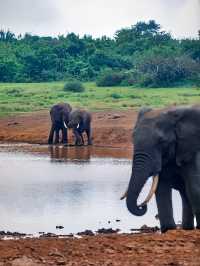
(124, 195)
(152, 191)
(77, 126)
(64, 124)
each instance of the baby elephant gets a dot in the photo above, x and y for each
(80, 121)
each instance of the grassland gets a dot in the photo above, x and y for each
(29, 97)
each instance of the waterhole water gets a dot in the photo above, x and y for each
(69, 187)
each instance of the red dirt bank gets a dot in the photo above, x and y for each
(172, 249)
(110, 129)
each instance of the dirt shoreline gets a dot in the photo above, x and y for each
(110, 130)
(173, 248)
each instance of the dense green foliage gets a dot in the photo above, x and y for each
(140, 55)
(74, 86)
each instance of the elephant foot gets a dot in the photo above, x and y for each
(50, 142)
(79, 144)
(166, 228)
(188, 226)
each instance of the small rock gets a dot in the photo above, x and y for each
(107, 231)
(86, 233)
(60, 262)
(116, 116)
(59, 227)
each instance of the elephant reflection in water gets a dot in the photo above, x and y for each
(72, 153)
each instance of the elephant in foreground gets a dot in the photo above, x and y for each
(80, 122)
(59, 117)
(167, 147)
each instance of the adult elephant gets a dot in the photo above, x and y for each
(59, 117)
(80, 122)
(167, 147)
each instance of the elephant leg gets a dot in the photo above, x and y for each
(88, 132)
(164, 204)
(193, 193)
(82, 139)
(187, 214)
(64, 136)
(57, 136)
(51, 134)
(191, 174)
(78, 139)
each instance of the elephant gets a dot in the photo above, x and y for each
(59, 117)
(80, 122)
(167, 148)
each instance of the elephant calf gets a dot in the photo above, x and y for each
(80, 122)
(59, 117)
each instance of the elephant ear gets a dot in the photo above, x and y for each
(142, 112)
(187, 131)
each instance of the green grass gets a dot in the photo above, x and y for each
(29, 97)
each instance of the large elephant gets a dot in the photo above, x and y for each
(167, 147)
(59, 117)
(80, 122)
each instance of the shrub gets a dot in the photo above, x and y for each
(165, 71)
(110, 78)
(116, 96)
(74, 86)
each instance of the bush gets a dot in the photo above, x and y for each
(165, 71)
(116, 96)
(74, 86)
(110, 78)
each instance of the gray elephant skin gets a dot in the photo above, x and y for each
(167, 144)
(80, 122)
(59, 117)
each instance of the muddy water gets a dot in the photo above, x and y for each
(77, 188)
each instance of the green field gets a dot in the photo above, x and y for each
(28, 97)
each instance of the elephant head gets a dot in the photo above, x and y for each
(160, 137)
(65, 115)
(75, 119)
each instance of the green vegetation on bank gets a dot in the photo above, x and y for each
(141, 55)
(16, 98)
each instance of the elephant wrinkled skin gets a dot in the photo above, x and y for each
(80, 122)
(59, 117)
(167, 144)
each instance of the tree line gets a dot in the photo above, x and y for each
(142, 54)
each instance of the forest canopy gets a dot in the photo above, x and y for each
(142, 54)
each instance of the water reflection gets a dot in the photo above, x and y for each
(79, 192)
(70, 153)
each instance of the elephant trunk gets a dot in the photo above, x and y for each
(141, 170)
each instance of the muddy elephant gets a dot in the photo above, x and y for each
(80, 122)
(167, 148)
(59, 117)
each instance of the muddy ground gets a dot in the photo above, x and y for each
(110, 129)
(172, 249)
